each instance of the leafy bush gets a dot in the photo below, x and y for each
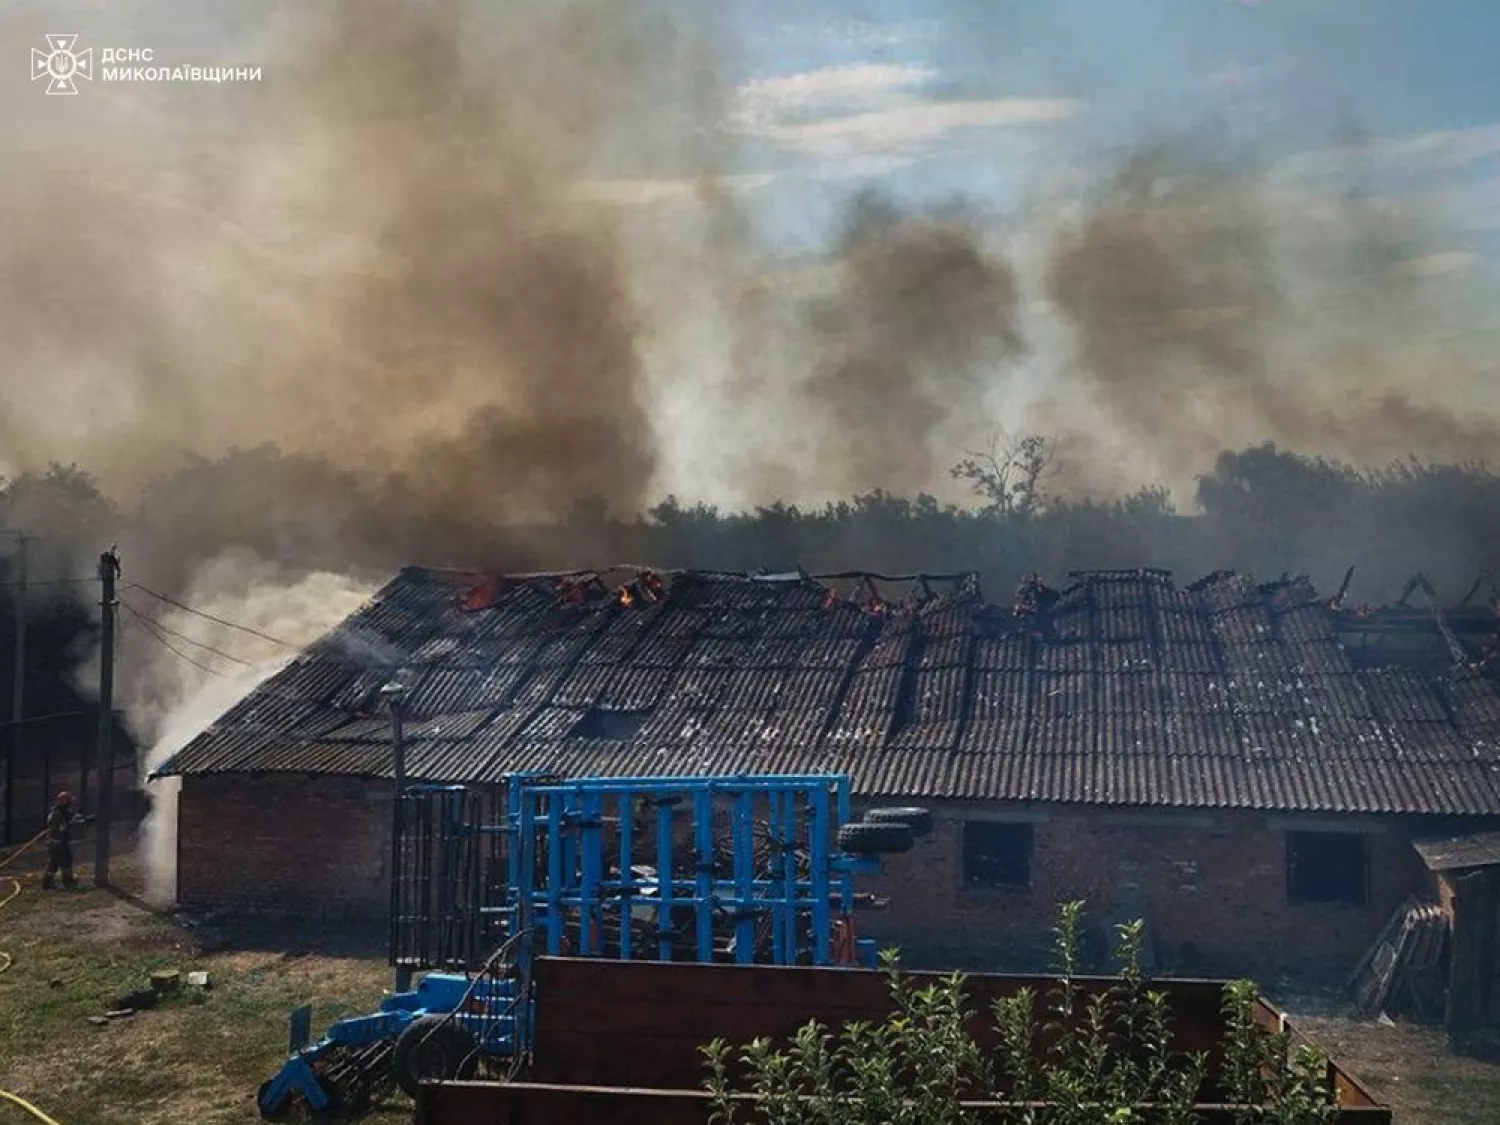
(1103, 1058)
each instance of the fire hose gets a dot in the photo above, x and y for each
(6, 961)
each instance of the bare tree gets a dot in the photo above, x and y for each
(1010, 474)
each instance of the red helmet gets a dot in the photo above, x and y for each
(65, 798)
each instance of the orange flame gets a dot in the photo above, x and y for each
(481, 595)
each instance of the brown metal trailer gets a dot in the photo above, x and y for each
(619, 1042)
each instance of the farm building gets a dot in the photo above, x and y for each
(1245, 766)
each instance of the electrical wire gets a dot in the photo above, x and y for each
(146, 627)
(169, 631)
(175, 604)
(8, 961)
(43, 718)
(35, 583)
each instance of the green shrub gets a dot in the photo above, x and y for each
(920, 1064)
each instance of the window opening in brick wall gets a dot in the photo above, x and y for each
(997, 854)
(1326, 867)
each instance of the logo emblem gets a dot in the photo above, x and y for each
(61, 64)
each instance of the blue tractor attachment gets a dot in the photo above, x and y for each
(742, 869)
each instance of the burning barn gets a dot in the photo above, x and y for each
(1244, 766)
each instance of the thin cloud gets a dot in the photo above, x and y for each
(1440, 264)
(830, 90)
(913, 126)
(1444, 148)
(873, 111)
(1439, 150)
(649, 192)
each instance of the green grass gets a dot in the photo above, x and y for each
(198, 1057)
(201, 1058)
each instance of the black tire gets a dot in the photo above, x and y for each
(875, 839)
(432, 1047)
(278, 1112)
(918, 820)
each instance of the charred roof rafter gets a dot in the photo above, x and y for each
(1443, 760)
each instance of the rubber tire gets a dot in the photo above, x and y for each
(864, 838)
(432, 1047)
(917, 819)
(278, 1112)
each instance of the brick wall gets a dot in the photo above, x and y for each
(316, 845)
(1214, 890)
(1213, 886)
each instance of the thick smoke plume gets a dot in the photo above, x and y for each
(924, 316)
(379, 262)
(350, 318)
(373, 261)
(170, 701)
(1212, 308)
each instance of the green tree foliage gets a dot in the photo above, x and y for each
(1096, 1056)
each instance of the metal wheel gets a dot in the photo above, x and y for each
(432, 1048)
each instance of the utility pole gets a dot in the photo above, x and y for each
(18, 684)
(394, 692)
(109, 570)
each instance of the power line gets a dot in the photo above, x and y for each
(169, 631)
(150, 631)
(210, 617)
(46, 582)
(45, 718)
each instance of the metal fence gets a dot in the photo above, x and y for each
(449, 881)
(52, 752)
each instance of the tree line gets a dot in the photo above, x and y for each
(1261, 510)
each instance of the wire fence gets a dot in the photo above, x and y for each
(49, 753)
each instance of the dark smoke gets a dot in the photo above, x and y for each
(1207, 312)
(376, 262)
(923, 319)
(1169, 288)
(373, 260)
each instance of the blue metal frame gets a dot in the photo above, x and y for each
(564, 820)
(557, 867)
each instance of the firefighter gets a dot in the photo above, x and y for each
(60, 823)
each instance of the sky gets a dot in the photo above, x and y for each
(1023, 109)
(1004, 98)
(1028, 105)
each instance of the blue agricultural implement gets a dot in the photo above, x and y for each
(743, 869)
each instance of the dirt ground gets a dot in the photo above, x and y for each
(201, 1056)
(1408, 1067)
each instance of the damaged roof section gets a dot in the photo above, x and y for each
(1121, 688)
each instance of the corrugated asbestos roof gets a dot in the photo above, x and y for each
(1124, 689)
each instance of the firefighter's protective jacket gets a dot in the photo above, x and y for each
(59, 825)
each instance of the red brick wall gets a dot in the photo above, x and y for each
(1213, 885)
(318, 845)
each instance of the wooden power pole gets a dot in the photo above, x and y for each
(109, 570)
(18, 685)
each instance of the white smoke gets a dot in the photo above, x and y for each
(172, 694)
